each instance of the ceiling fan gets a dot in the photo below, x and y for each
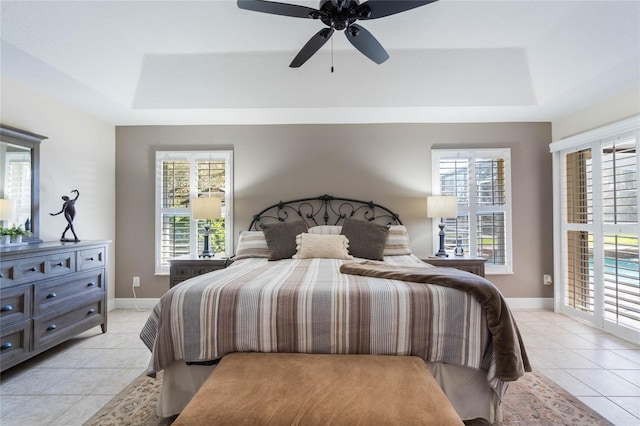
(338, 15)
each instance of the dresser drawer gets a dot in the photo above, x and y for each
(472, 264)
(35, 268)
(14, 343)
(189, 266)
(91, 258)
(53, 294)
(5, 273)
(15, 305)
(184, 272)
(58, 264)
(56, 326)
(23, 270)
(50, 292)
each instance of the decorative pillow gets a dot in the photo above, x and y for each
(324, 246)
(325, 230)
(366, 239)
(397, 241)
(281, 238)
(252, 244)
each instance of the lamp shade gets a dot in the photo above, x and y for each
(442, 206)
(206, 208)
(7, 209)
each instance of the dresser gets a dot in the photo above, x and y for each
(188, 266)
(49, 292)
(471, 264)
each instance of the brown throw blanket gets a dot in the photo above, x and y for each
(511, 357)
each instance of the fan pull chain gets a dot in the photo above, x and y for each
(332, 55)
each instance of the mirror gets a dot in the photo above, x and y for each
(20, 178)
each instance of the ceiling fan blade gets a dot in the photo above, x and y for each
(312, 46)
(283, 9)
(373, 9)
(366, 43)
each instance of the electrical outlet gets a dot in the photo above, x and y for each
(547, 280)
(136, 281)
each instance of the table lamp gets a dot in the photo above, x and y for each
(7, 209)
(442, 206)
(206, 208)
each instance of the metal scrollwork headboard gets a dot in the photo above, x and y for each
(325, 210)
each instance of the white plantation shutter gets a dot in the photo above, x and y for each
(579, 292)
(596, 237)
(181, 176)
(174, 212)
(621, 297)
(620, 227)
(480, 179)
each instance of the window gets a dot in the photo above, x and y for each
(597, 232)
(481, 179)
(181, 176)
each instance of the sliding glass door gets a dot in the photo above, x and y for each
(597, 228)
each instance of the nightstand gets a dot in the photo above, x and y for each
(190, 265)
(471, 264)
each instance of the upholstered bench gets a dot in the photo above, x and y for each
(309, 389)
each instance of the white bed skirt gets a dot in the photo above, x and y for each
(467, 389)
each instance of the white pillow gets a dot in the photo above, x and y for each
(325, 230)
(252, 244)
(322, 246)
(397, 241)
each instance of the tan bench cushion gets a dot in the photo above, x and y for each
(309, 389)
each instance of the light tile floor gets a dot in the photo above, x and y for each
(68, 384)
(601, 370)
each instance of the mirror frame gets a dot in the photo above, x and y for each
(32, 141)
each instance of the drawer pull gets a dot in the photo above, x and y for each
(6, 346)
(1, 275)
(51, 295)
(91, 259)
(6, 308)
(59, 264)
(52, 327)
(91, 311)
(90, 284)
(32, 269)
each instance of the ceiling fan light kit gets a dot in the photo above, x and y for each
(338, 15)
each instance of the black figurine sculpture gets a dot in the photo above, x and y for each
(69, 210)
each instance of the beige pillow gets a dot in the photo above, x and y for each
(322, 246)
(252, 244)
(325, 229)
(397, 241)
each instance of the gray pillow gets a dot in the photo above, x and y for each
(366, 239)
(281, 238)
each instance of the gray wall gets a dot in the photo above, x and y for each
(79, 153)
(387, 163)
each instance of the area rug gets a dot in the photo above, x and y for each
(532, 400)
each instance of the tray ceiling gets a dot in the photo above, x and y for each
(208, 62)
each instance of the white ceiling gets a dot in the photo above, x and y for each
(208, 62)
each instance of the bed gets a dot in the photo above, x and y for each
(336, 275)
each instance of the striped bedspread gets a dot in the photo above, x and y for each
(308, 306)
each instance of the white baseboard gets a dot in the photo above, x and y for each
(131, 303)
(513, 302)
(530, 302)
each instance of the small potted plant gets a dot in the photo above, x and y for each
(5, 235)
(17, 233)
